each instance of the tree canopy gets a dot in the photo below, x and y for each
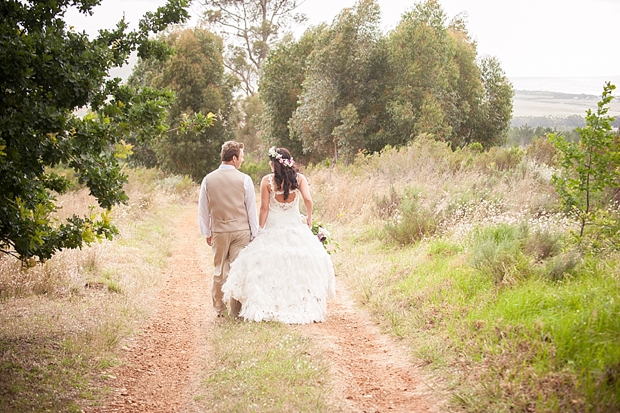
(47, 71)
(195, 73)
(347, 87)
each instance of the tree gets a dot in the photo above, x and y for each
(590, 168)
(252, 27)
(422, 52)
(440, 87)
(281, 83)
(195, 73)
(493, 117)
(344, 88)
(46, 72)
(246, 120)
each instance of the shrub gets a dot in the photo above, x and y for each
(497, 252)
(542, 245)
(386, 206)
(589, 169)
(500, 159)
(542, 151)
(412, 220)
(256, 169)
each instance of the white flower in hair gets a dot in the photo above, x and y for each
(278, 156)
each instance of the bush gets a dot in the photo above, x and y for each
(542, 151)
(500, 159)
(412, 220)
(497, 252)
(256, 169)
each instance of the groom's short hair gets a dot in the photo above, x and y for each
(230, 149)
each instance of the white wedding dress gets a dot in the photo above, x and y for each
(284, 274)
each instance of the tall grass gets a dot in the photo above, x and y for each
(466, 256)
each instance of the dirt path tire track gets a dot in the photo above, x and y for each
(370, 371)
(161, 370)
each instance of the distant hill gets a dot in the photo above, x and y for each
(555, 108)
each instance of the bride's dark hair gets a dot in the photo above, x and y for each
(285, 176)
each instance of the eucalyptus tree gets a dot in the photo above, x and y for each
(47, 71)
(441, 87)
(251, 28)
(422, 52)
(341, 104)
(495, 111)
(281, 83)
(196, 75)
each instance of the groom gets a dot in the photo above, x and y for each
(227, 215)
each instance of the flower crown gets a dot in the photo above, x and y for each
(280, 158)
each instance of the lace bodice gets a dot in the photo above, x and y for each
(283, 213)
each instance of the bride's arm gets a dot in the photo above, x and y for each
(304, 188)
(264, 201)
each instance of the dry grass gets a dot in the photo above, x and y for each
(447, 181)
(63, 320)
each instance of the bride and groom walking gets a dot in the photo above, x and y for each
(272, 268)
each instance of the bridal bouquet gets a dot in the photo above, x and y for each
(323, 234)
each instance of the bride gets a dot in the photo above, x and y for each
(284, 274)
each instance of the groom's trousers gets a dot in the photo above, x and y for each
(226, 247)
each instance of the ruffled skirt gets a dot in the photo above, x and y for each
(283, 275)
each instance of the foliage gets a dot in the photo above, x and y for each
(281, 85)
(251, 28)
(498, 253)
(246, 122)
(341, 102)
(411, 220)
(543, 151)
(195, 73)
(58, 358)
(347, 88)
(257, 169)
(524, 135)
(47, 71)
(493, 119)
(497, 299)
(500, 159)
(589, 169)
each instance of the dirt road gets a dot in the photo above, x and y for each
(161, 367)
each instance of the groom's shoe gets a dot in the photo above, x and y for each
(235, 308)
(221, 312)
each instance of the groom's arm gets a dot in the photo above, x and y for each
(204, 215)
(250, 206)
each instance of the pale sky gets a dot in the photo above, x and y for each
(531, 38)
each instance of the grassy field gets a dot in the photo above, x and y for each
(467, 258)
(464, 256)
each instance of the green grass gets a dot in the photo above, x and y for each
(264, 367)
(486, 313)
